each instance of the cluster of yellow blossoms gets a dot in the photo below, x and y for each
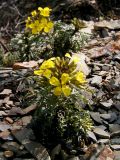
(62, 74)
(39, 21)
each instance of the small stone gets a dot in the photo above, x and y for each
(12, 146)
(117, 155)
(6, 92)
(96, 117)
(8, 154)
(106, 153)
(103, 141)
(105, 116)
(96, 80)
(101, 133)
(113, 117)
(9, 120)
(105, 68)
(115, 141)
(107, 104)
(25, 65)
(117, 57)
(115, 147)
(55, 151)
(114, 127)
(92, 136)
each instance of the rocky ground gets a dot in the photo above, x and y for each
(101, 63)
(100, 59)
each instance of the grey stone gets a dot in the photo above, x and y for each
(101, 133)
(115, 141)
(35, 148)
(104, 141)
(114, 134)
(117, 155)
(118, 120)
(105, 116)
(114, 127)
(105, 68)
(102, 127)
(96, 117)
(113, 117)
(92, 136)
(115, 147)
(55, 151)
(12, 146)
(96, 80)
(107, 104)
(117, 57)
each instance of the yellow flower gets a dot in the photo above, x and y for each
(47, 73)
(80, 77)
(66, 90)
(64, 78)
(57, 91)
(44, 11)
(67, 55)
(47, 25)
(75, 59)
(33, 13)
(38, 72)
(60, 88)
(47, 64)
(36, 27)
(54, 81)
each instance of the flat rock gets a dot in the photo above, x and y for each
(106, 154)
(96, 117)
(107, 104)
(92, 136)
(35, 148)
(115, 147)
(25, 65)
(96, 80)
(113, 24)
(81, 64)
(101, 133)
(103, 141)
(106, 116)
(114, 127)
(115, 141)
(117, 155)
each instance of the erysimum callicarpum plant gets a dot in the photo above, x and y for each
(59, 86)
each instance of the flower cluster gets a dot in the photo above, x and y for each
(39, 21)
(61, 73)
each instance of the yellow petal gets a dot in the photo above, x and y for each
(47, 73)
(34, 31)
(75, 59)
(33, 13)
(38, 72)
(80, 77)
(66, 90)
(54, 81)
(67, 55)
(40, 8)
(57, 91)
(46, 29)
(64, 78)
(44, 11)
(47, 64)
(44, 21)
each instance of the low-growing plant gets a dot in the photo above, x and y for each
(58, 90)
(44, 39)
